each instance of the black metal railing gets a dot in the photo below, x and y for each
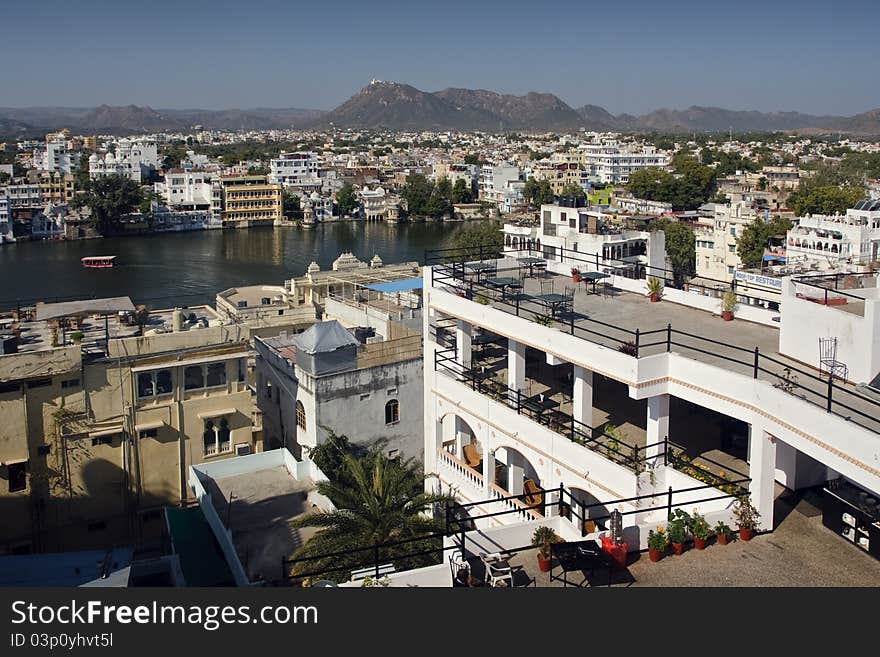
(826, 391)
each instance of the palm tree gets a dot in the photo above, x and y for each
(379, 501)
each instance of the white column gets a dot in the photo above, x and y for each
(515, 476)
(516, 365)
(762, 467)
(658, 424)
(582, 396)
(463, 343)
(488, 470)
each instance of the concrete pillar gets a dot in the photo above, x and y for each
(488, 470)
(582, 396)
(762, 467)
(657, 425)
(516, 365)
(515, 476)
(463, 343)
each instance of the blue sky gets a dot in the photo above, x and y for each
(633, 56)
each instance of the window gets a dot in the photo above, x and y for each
(103, 440)
(733, 230)
(365, 395)
(216, 437)
(152, 384)
(149, 433)
(10, 387)
(392, 391)
(39, 383)
(216, 375)
(43, 450)
(211, 375)
(17, 476)
(300, 415)
(392, 412)
(70, 383)
(193, 377)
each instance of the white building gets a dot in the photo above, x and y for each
(56, 157)
(834, 240)
(5, 218)
(607, 162)
(585, 233)
(374, 203)
(134, 159)
(294, 169)
(175, 220)
(187, 188)
(501, 185)
(540, 422)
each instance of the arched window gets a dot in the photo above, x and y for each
(300, 415)
(392, 412)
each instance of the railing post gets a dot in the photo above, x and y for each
(446, 522)
(669, 503)
(636, 458)
(830, 390)
(583, 519)
(668, 338)
(561, 493)
(376, 557)
(462, 541)
(665, 450)
(757, 356)
(637, 343)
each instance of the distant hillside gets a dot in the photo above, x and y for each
(533, 111)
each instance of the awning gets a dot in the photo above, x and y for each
(771, 257)
(149, 425)
(106, 431)
(403, 285)
(109, 306)
(189, 361)
(207, 415)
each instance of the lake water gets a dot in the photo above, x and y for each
(190, 268)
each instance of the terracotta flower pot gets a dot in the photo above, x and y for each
(699, 543)
(727, 315)
(543, 564)
(576, 278)
(654, 555)
(746, 534)
(723, 539)
(655, 297)
(678, 548)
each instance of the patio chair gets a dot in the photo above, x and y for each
(461, 570)
(532, 495)
(547, 286)
(498, 570)
(471, 455)
(568, 306)
(828, 363)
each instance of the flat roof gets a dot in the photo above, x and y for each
(108, 306)
(67, 568)
(201, 559)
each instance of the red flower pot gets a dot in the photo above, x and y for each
(727, 315)
(543, 564)
(746, 534)
(654, 555)
(723, 539)
(678, 548)
(699, 543)
(576, 278)
(655, 297)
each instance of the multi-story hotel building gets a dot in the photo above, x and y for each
(294, 169)
(834, 240)
(250, 201)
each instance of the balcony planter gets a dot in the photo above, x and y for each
(654, 297)
(727, 315)
(543, 564)
(543, 538)
(654, 555)
(723, 539)
(575, 275)
(699, 543)
(746, 534)
(678, 548)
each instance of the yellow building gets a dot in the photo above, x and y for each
(559, 175)
(90, 143)
(57, 188)
(93, 447)
(250, 201)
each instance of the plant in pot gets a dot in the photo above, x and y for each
(701, 530)
(542, 539)
(728, 303)
(655, 288)
(575, 274)
(747, 517)
(722, 532)
(658, 541)
(677, 529)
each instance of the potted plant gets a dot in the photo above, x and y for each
(657, 543)
(542, 539)
(77, 337)
(722, 531)
(677, 529)
(728, 303)
(701, 530)
(747, 517)
(655, 289)
(576, 274)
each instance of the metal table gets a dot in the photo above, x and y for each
(531, 262)
(593, 277)
(582, 556)
(503, 283)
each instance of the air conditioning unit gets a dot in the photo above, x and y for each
(242, 449)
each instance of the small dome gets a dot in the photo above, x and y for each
(93, 158)
(110, 159)
(376, 261)
(313, 268)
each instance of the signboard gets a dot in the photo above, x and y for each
(758, 279)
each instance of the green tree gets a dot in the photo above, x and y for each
(472, 158)
(417, 191)
(754, 238)
(291, 204)
(477, 237)
(4, 177)
(573, 189)
(110, 197)
(680, 248)
(258, 171)
(537, 192)
(346, 200)
(461, 192)
(379, 501)
(827, 199)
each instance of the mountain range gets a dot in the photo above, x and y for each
(397, 106)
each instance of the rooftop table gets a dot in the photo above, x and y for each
(593, 277)
(504, 282)
(582, 556)
(531, 262)
(552, 301)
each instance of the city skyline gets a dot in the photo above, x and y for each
(761, 58)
